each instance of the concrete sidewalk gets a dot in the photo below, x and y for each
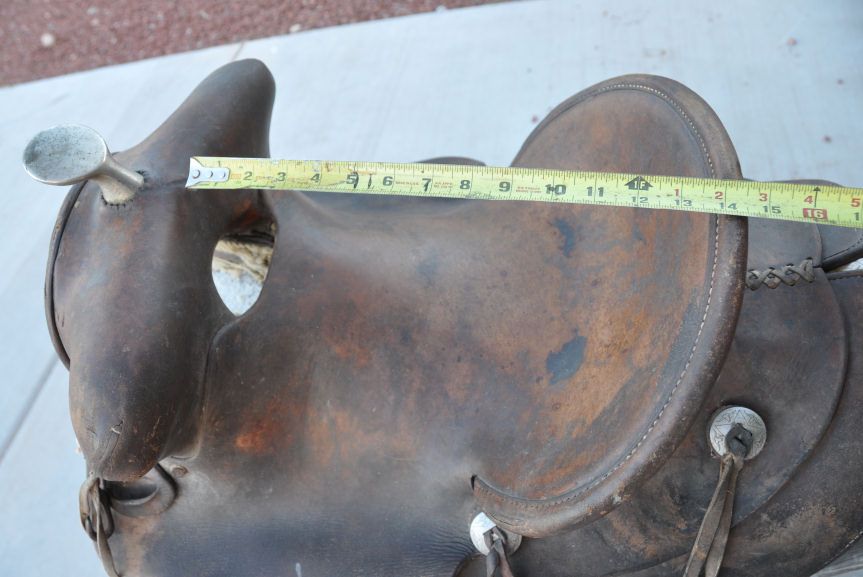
(786, 80)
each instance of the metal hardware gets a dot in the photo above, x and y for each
(481, 525)
(73, 153)
(707, 552)
(723, 421)
(198, 173)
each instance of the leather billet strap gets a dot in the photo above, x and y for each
(709, 547)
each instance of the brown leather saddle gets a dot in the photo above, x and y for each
(412, 363)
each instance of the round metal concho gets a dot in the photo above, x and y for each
(727, 417)
(481, 525)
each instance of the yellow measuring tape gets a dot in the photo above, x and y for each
(796, 202)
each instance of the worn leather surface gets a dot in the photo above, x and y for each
(614, 126)
(136, 377)
(411, 362)
(799, 396)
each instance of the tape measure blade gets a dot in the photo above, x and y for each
(825, 204)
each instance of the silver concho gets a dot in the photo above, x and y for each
(727, 417)
(481, 525)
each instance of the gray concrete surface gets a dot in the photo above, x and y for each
(785, 77)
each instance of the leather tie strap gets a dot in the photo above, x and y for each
(788, 274)
(496, 558)
(709, 547)
(97, 520)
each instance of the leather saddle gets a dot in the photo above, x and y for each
(413, 363)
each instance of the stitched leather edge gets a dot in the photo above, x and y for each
(845, 255)
(544, 504)
(53, 251)
(849, 248)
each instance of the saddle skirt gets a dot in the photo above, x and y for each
(413, 362)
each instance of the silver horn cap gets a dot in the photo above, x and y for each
(72, 153)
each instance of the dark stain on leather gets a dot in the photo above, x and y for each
(636, 233)
(427, 269)
(568, 234)
(565, 363)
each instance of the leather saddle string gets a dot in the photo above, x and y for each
(709, 547)
(496, 559)
(97, 520)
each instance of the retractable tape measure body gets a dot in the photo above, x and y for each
(794, 202)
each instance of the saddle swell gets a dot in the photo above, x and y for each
(129, 295)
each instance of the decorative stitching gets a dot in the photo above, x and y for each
(668, 99)
(539, 505)
(845, 548)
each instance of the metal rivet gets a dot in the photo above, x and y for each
(73, 153)
(727, 417)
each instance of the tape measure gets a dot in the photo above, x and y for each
(795, 202)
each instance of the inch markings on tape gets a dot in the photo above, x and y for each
(783, 201)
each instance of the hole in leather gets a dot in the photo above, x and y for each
(134, 492)
(152, 494)
(241, 261)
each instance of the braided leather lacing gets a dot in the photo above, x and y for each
(789, 274)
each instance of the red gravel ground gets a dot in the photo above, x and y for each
(40, 38)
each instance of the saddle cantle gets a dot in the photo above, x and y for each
(413, 362)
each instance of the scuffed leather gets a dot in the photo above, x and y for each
(413, 361)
